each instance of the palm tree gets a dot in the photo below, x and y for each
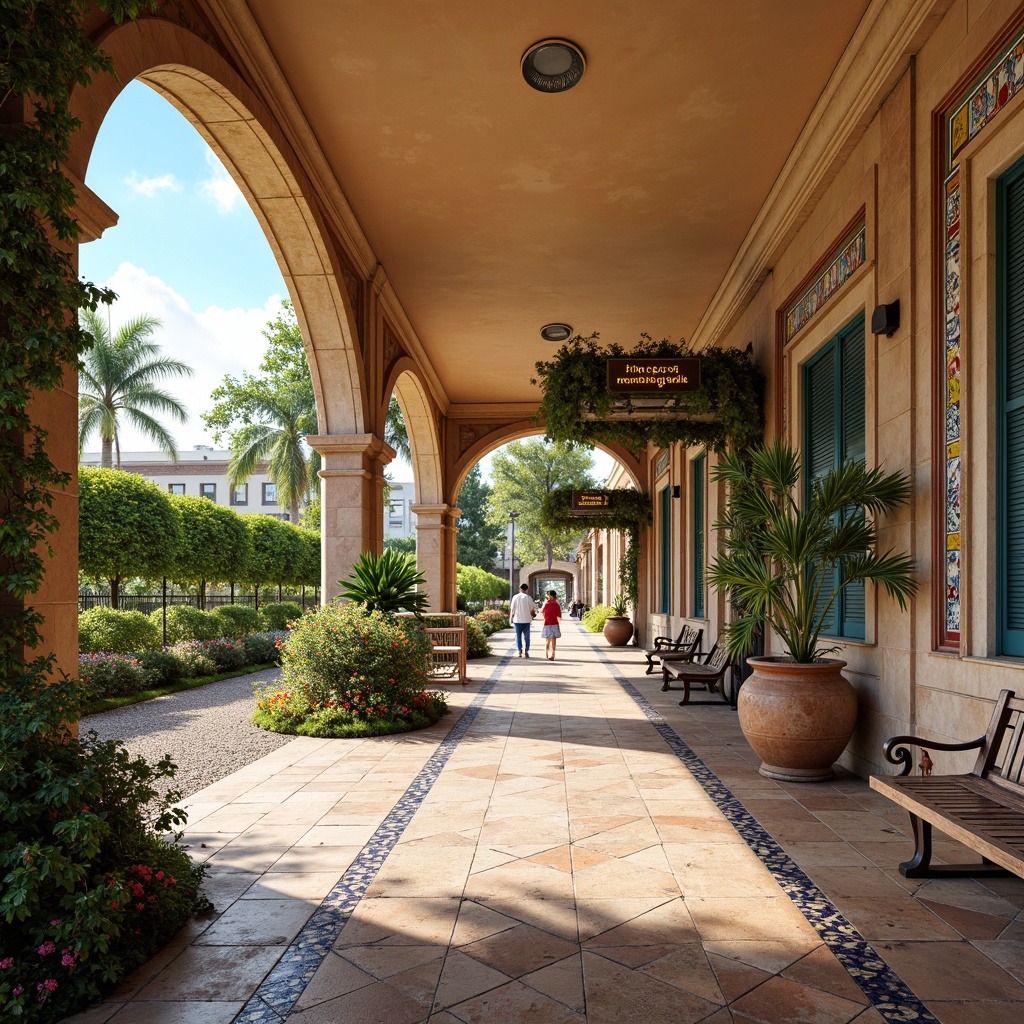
(279, 440)
(117, 383)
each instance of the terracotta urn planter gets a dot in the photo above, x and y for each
(618, 630)
(798, 717)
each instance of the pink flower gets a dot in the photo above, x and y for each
(46, 949)
(8, 961)
(50, 985)
(17, 990)
(57, 922)
(68, 959)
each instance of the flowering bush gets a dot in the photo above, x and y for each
(261, 648)
(351, 672)
(226, 654)
(114, 675)
(279, 614)
(492, 619)
(88, 890)
(476, 640)
(192, 655)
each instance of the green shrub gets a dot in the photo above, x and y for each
(349, 671)
(476, 640)
(104, 629)
(88, 891)
(187, 623)
(166, 668)
(279, 614)
(114, 675)
(593, 620)
(261, 648)
(387, 582)
(236, 620)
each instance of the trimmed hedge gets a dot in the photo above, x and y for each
(236, 620)
(278, 614)
(104, 629)
(187, 623)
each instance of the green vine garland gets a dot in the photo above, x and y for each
(731, 394)
(629, 511)
(44, 54)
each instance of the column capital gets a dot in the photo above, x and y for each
(93, 215)
(367, 446)
(440, 511)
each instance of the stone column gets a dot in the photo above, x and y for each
(435, 552)
(351, 503)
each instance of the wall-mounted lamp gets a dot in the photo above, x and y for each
(677, 491)
(886, 319)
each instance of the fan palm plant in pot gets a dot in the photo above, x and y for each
(618, 630)
(784, 565)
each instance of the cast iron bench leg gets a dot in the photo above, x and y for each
(920, 865)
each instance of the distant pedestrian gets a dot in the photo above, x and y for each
(552, 611)
(521, 612)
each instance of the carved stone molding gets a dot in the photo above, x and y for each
(470, 433)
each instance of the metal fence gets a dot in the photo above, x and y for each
(148, 603)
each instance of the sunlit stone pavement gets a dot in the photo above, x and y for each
(569, 845)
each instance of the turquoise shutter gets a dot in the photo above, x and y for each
(851, 614)
(820, 440)
(1011, 355)
(666, 550)
(698, 536)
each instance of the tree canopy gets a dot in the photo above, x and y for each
(215, 543)
(478, 540)
(126, 528)
(524, 474)
(117, 385)
(268, 415)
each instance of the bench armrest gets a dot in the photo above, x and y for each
(659, 640)
(895, 753)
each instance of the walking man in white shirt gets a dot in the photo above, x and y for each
(521, 611)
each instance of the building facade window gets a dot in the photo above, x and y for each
(175, 488)
(1010, 409)
(396, 512)
(270, 494)
(208, 491)
(240, 495)
(699, 468)
(665, 508)
(834, 432)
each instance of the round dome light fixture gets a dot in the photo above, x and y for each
(553, 65)
(556, 332)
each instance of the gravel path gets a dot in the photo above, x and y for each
(206, 731)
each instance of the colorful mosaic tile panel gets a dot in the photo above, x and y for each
(849, 255)
(1003, 79)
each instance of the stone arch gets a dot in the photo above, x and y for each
(418, 411)
(196, 79)
(515, 430)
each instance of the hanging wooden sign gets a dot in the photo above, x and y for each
(585, 503)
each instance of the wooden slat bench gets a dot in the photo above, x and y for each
(688, 642)
(984, 809)
(710, 674)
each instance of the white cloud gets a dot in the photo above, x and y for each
(220, 186)
(214, 342)
(150, 186)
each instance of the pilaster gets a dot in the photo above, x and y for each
(435, 552)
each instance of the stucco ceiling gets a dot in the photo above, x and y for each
(615, 207)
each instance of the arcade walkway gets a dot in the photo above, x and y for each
(556, 851)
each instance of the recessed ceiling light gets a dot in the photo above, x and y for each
(553, 65)
(556, 332)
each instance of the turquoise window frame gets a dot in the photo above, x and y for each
(665, 580)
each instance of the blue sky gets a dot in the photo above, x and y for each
(186, 249)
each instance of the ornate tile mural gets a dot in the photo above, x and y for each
(846, 258)
(1003, 79)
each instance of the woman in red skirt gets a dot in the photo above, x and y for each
(552, 612)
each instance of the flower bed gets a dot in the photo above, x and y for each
(88, 889)
(352, 672)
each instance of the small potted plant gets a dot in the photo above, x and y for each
(784, 566)
(618, 630)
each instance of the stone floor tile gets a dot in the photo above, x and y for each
(462, 978)
(100, 1014)
(977, 1013)
(562, 981)
(781, 1001)
(302, 885)
(315, 859)
(520, 950)
(336, 976)
(886, 920)
(371, 1004)
(401, 921)
(616, 995)
(1008, 954)
(669, 922)
(735, 978)
(625, 879)
(178, 1013)
(950, 970)
(770, 956)
(686, 966)
(258, 923)
(758, 917)
(601, 915)
(515, 1002)
(820, 969)
(335, 835)
(413, 871)
(520, 879)
(385, 961)
(231, 972)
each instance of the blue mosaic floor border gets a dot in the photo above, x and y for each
(281, 989)
(887, 992)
